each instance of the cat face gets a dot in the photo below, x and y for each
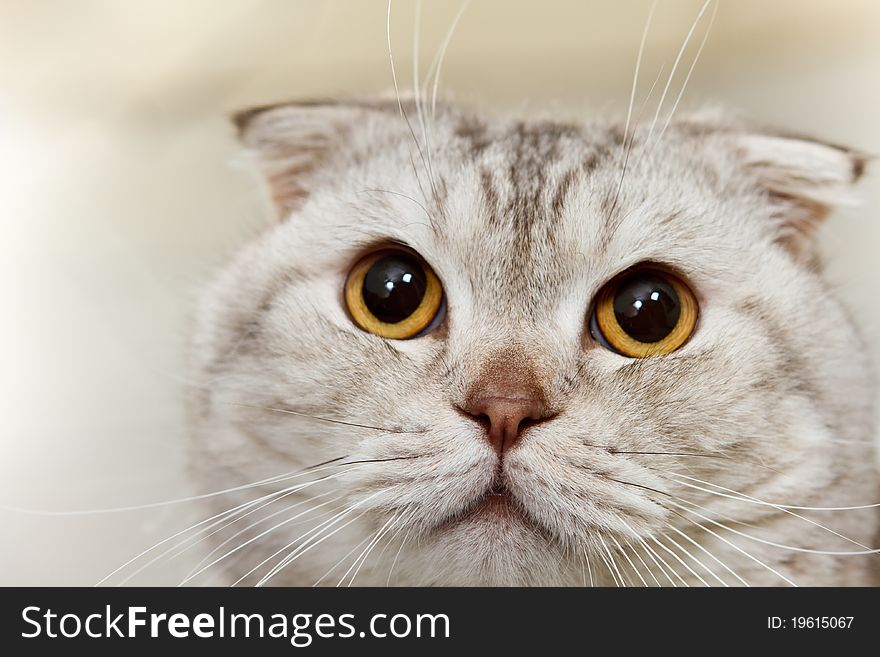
(505, 435)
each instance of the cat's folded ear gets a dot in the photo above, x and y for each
(803, 180)
(295, 144)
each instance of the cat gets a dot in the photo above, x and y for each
(496, 351)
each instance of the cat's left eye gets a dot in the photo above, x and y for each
(644, 312)
(394, 294)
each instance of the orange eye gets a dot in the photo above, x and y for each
(644, 312)
(394, 294)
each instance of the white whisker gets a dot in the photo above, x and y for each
(736, 547)
(680, 560)
(793, 548)
(251, 540)
(639, 557)
(626, 556)
(675, 68)
(717, 560)
(690, 71)
(635, 82)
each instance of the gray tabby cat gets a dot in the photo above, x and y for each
(480, 351)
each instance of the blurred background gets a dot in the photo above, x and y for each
(122, 188)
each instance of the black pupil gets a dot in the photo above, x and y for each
(646, 307)
(394, 287)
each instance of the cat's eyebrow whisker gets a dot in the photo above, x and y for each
(675, 68)
(635, 82)
(437, 64)
(320, 418)
(689, 73)
(402, 195)
(402, 111)
(420, 113)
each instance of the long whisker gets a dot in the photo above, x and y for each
(180, 500)
(639, 557)
(754, 500)
(626, 556)
(737, 548)
(346, 423)
(190, 542)
(388, 526)
(793, 548)
(695, 560)
(400, 105)
(397, 556)
(742, 497)
(666, 568)
(635, 82)
(253, 539)
(675, 67)
(680, 560)
(394, 536)
(340, 561)
(716, 559)
(611, 570)
(306, 537)
(654, 556)
(261, 521)
(219, 517)
(316, 539)
(690, 71)
(441, 56)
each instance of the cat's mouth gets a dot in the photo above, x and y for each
(497, 506)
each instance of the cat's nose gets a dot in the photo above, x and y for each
(505, 417)
(506, 398)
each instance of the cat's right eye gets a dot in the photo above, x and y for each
(394, 294)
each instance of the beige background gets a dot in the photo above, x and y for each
(121, 187)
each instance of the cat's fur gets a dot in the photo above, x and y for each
(524, 221)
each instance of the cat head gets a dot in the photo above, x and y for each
(515, 340)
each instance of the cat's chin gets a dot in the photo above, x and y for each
(493, 542)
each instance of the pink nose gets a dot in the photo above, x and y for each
(506, 417)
